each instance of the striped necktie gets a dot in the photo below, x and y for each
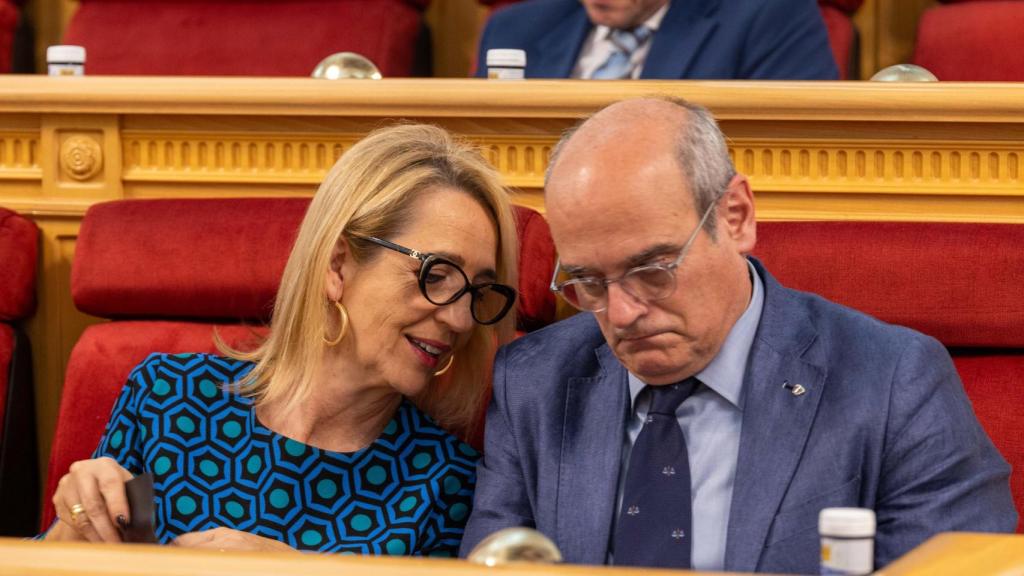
(626, 42)
(654, 526)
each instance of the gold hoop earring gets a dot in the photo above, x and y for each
(446, 366)
(343, 315)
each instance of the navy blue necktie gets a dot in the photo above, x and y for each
(656, 518)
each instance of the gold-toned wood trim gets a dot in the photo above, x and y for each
(885, 167)
(809, 165)
(475, 98)
(19, 155)
(267, 158)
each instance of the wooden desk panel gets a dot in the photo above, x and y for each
(813, 150)
(945, 555)
(959, 554)
(79, 559)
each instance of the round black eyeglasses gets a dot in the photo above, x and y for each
(443, 282)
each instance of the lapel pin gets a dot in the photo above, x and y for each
(794, 389)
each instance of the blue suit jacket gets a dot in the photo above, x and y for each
(698, 39)
(884, 424)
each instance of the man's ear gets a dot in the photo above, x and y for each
(736, 214)
(335, 281)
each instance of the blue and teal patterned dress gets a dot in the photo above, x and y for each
(214, 464)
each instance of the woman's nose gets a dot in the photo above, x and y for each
(458, 315)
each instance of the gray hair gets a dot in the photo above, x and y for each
(701, 151)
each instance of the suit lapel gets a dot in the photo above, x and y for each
(776, 423)
(594, 424)
(557, 50)
(685, 27)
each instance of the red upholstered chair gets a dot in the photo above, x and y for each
(248, 37)
(167, 272)
(19, 470)
(960, 283)
(9, 18)
(842, 34)
(972, 41)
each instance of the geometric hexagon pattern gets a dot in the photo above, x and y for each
(214, 464)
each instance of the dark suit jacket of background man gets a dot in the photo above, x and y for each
(884, 424)
(698, 39)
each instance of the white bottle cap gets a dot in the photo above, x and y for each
(506, 58)
(847, 522)
(66, 54)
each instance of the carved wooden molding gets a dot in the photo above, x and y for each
(881, 167)
(19, 155)
(802, 165)
(81, 157)
(262, 158)
(522, 161)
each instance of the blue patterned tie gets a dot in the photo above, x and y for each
(655, 521)
(626, 42)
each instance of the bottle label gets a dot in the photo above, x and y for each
(495, 73)
(65, 70)
(847, 557)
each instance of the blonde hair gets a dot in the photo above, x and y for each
(370, 191)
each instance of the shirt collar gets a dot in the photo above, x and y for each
(652, 23)
(724, 374)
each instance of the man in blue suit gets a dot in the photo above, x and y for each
(794, 403)
(693, 39)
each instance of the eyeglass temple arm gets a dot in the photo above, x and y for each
(696, 231)
(396, 247)
(554, 276)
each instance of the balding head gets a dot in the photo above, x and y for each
(632, 133)
(626, 121)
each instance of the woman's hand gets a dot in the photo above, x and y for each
(227, 539)
(90, 499)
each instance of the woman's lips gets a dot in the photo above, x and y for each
(429, 352)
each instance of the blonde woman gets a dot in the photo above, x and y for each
(337, 433)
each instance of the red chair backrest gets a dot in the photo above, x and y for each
(170, 272)
(972, 41)
(9, 16)
(960, 283)
(842, 38)
(18, 255)
(19, 459)
(242, 37)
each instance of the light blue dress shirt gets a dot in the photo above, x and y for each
(711, 420)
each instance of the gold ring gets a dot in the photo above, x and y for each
(76, 511)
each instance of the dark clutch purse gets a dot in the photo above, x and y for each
(143, 514)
